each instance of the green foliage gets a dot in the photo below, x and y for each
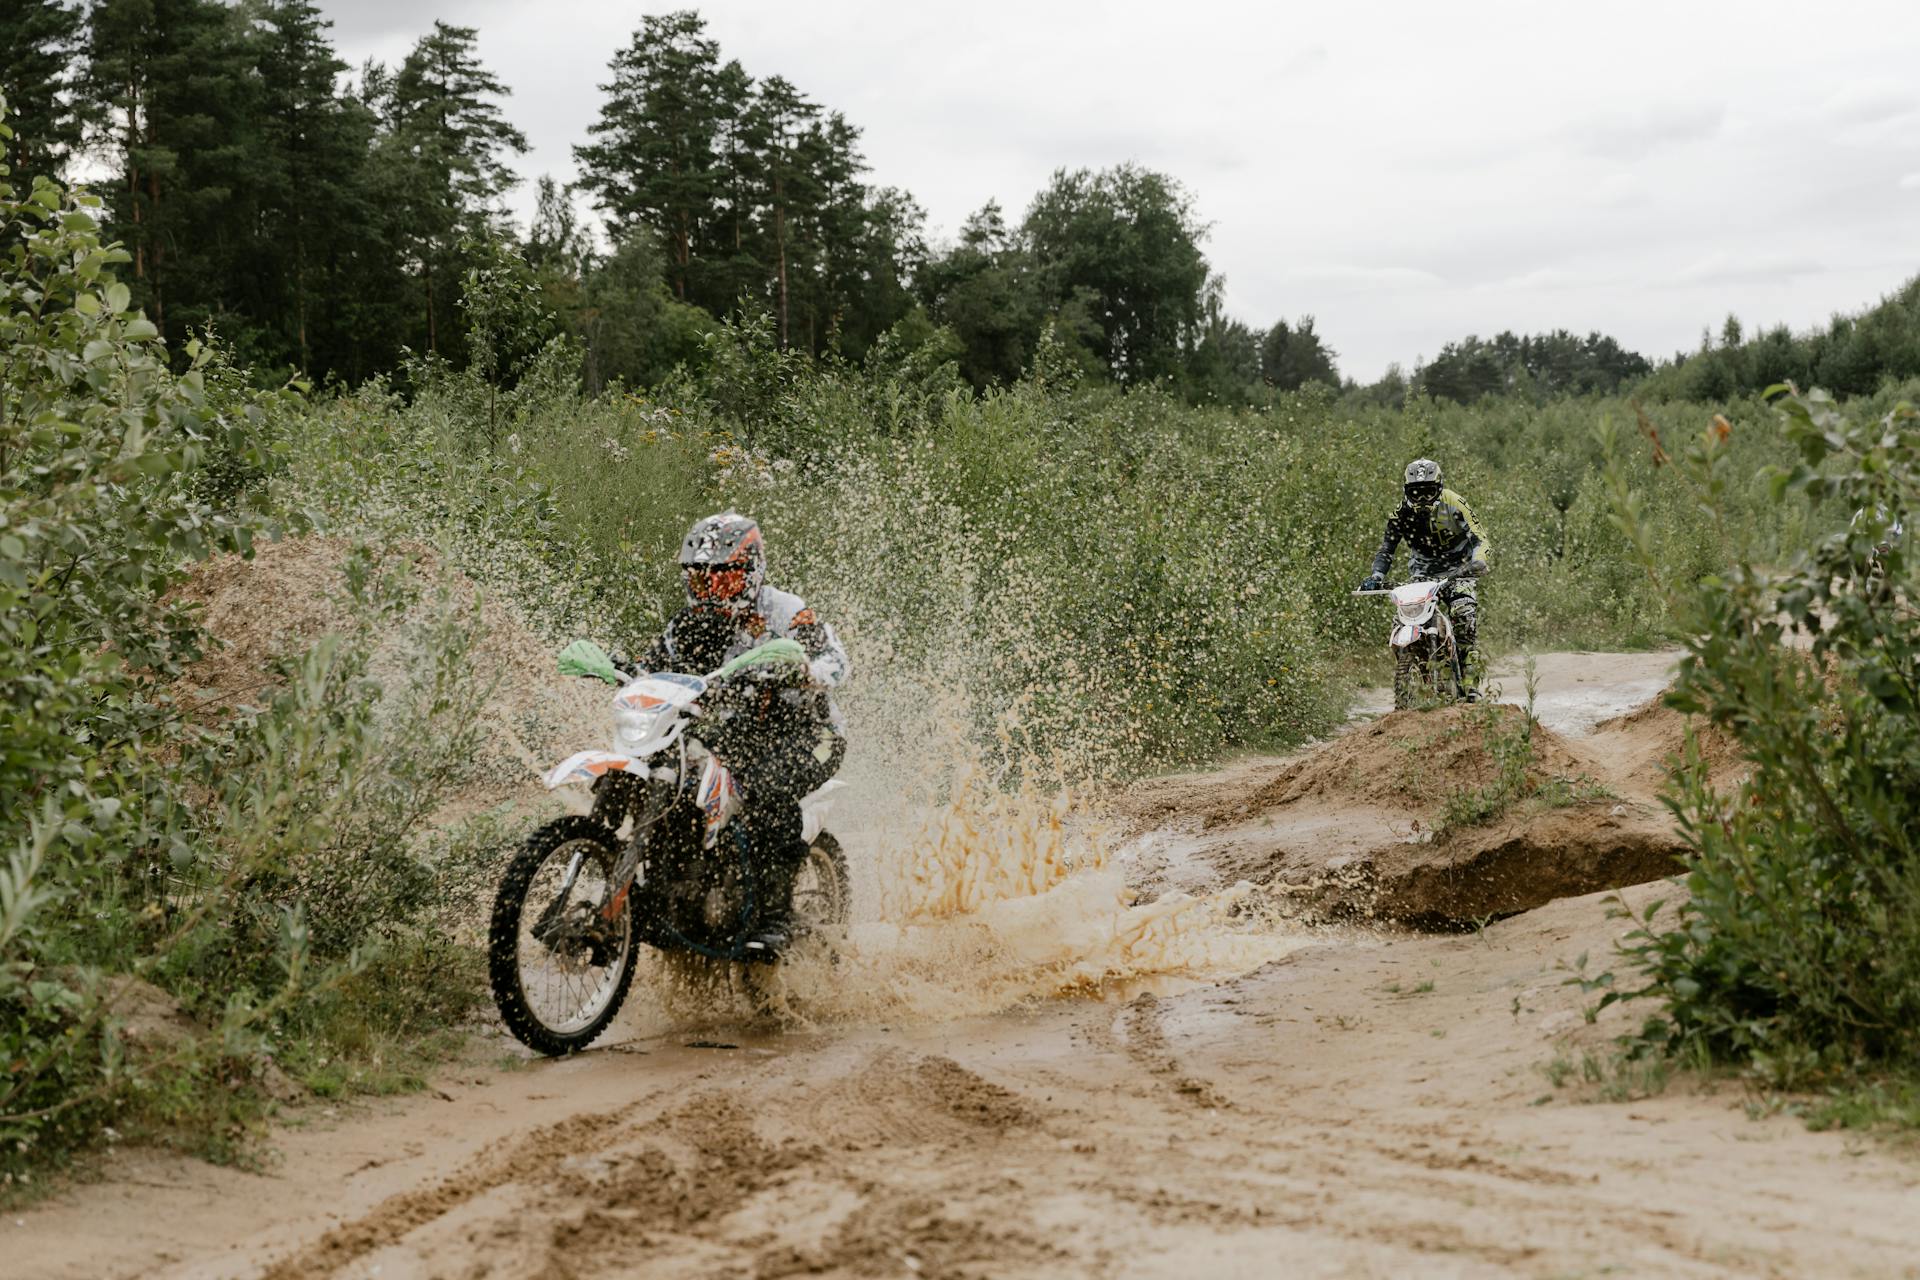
(215, 876)
(1508, 742)
(1127, 240)
(1797, 951)
(752, 189)
(1855, 355)
(38, 43)
(1291, 357)
(1112, 581)
(1538, 367)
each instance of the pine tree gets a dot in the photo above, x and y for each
(170, 85)
(655, 161)
(783, 127)
(440, 166)
(314, 250)
(39, 42)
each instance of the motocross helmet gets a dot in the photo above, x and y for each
(1423, 482)
(724, 559)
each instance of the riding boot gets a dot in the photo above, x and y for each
(1469, 676)
(776, 928)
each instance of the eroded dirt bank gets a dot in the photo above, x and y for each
(1376, 1103)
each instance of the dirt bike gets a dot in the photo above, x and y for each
(580, 898)
(1426, 658)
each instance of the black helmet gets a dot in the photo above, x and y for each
(1423, 482)
(725, 562)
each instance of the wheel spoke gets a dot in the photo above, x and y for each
(569, 978)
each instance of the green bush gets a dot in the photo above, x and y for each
(1797, 949)
(219, 877)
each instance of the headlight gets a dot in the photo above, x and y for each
(632, 727)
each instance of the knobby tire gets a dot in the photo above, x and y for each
(503, 939)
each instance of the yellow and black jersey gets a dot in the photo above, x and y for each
(1440, 538)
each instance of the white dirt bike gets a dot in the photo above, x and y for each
(1426, 657)
(580, 897)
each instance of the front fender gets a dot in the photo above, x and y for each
(586, 766)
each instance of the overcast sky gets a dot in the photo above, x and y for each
(1408, 173)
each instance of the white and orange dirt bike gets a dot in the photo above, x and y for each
(1426, 657)
(661, 860)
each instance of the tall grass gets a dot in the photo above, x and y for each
(1108, 582)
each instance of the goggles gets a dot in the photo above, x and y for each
(716, 582)
(1424, 491)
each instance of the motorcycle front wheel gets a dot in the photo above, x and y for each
(1422, 675)
(561, 956)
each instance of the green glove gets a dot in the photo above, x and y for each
(772, 654)
(585, 658)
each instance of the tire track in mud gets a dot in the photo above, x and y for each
(409, 1211)
(707, 1179)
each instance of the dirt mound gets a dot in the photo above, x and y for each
(1501, 870)
(1646, 742)
(292, 592)
(1467, 875)
(1411, 760)
(1349, 829)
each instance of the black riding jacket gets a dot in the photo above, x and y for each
(1440, 538)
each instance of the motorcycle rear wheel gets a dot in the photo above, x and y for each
(823, 890)
(557, 999)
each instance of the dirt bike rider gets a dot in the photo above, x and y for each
(782, 737)
(1442, 537)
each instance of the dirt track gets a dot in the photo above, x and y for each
(1377, 1103)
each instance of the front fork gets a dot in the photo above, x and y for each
(616, 796)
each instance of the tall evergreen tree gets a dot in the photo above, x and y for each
(315, 256)
(783, 126)
(654, 161)
(440, 166)
(39, 42)
(175, 99)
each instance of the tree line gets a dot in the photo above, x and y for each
(333, 221)
(330, 220)
(1854, 354)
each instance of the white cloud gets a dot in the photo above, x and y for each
(1726, 268)
(1632, 136)
(1910, 183)
(1340, 273)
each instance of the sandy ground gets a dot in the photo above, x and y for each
(1378, 1103)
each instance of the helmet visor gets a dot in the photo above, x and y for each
(716, 582)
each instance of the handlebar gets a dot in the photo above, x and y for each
(1462, 574)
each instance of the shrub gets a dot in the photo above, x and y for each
(1797, 950)
(225, 874)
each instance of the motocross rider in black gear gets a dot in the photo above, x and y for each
(1442, 538)
(781, 735)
